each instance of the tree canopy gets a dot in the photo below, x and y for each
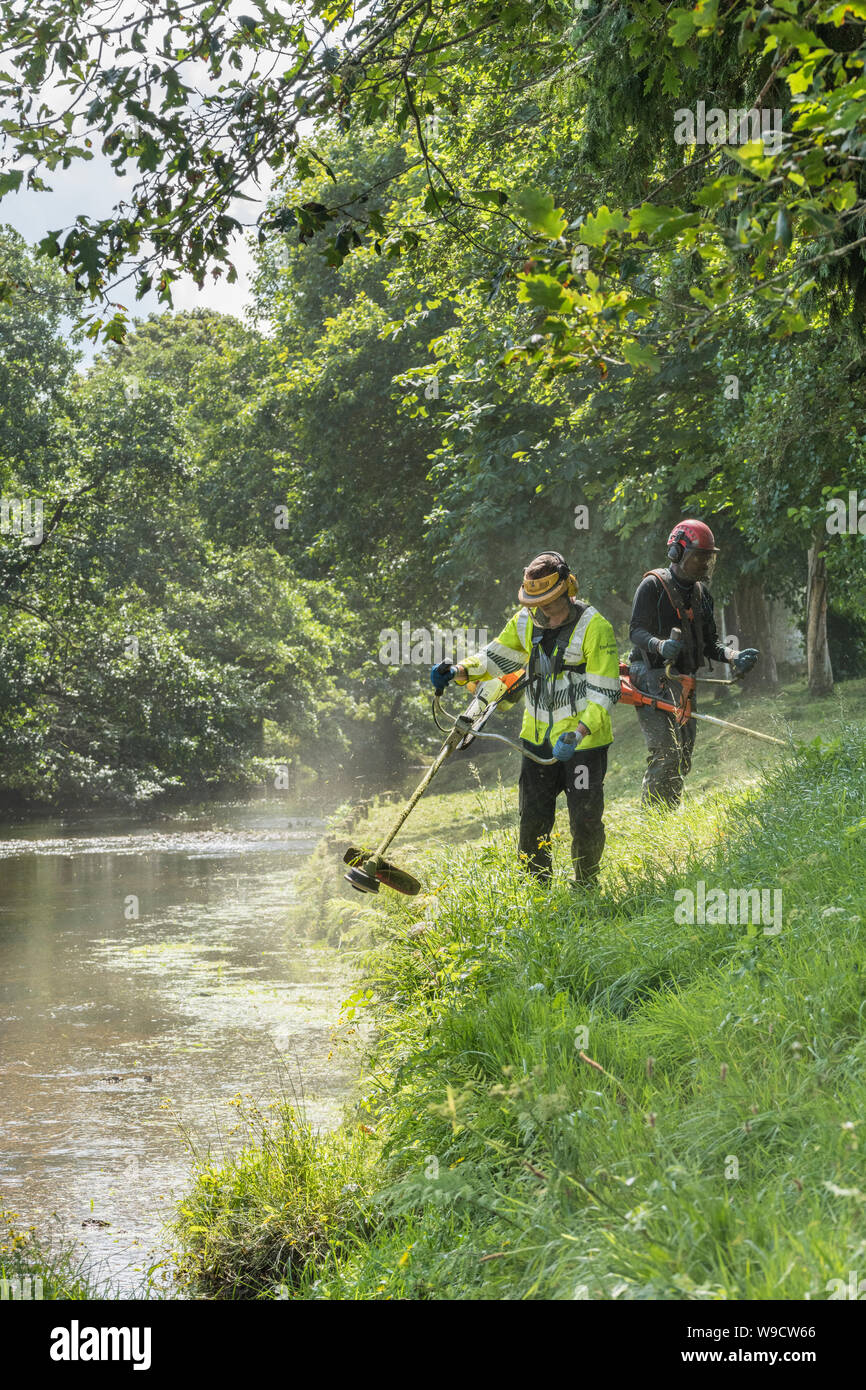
(530, 274)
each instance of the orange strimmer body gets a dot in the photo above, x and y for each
(682, 711)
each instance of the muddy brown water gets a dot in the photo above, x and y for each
(149, 974)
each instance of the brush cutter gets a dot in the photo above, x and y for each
(370, 868)
(682, 710)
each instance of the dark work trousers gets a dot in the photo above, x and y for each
(582, 780)
(669, 755)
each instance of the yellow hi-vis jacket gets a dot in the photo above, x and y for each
(584, 691)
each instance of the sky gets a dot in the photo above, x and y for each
(92, 187)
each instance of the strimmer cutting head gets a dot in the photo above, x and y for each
(366, 873)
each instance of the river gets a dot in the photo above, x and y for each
(148, 975)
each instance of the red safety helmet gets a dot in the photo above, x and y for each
(690, 535)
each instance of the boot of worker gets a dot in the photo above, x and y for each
(663, 780)
(587, 867)
(669, 765)
(661, 794)
(533, 845)
(588, 839)
(538, 863)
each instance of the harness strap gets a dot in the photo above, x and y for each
(689, 612)
(555, 665)
(696, 625)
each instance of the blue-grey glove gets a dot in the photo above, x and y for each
(744, 661)
(668, 650)
(565, 747)
(440, 675)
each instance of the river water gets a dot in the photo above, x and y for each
(148, 975)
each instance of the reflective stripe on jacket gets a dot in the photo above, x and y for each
(585, 691)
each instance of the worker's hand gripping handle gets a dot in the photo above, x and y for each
(686, 683)
(676, 636)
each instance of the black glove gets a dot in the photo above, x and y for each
(668, 650)
(440, 675)
(744, 661)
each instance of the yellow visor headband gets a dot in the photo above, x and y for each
(537, 588)
(545, 588)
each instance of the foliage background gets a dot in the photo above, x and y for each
(491, 289)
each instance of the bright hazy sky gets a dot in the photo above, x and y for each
(92, 187)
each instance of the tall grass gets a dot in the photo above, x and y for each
(571, 1094)
(30, 1268)
(256, 1225)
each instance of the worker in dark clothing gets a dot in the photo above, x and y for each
(673, 623)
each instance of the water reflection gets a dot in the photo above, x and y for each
(141, 964)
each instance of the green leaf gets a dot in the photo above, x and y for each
(10, 181)
(722, 190)
(783, 234)
(640, 355)
(844, 196)
(753, 158)
(597, 226)
(545, 291)
(650, 216)
(662, 223)
(538, 209)
(493, 197)
(683, 27)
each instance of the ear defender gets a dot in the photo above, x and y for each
(565, 573)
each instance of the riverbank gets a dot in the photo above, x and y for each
(258, 781)
(579, 1095)
(151, 974)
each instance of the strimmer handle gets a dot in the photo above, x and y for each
(513, 678)
(677, 635)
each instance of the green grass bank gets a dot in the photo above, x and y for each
(573, 1095)
(32, 1270)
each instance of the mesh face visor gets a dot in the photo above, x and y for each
(698, 563)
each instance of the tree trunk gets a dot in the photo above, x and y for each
(753, 630)
(820, 672)
(392, 757)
